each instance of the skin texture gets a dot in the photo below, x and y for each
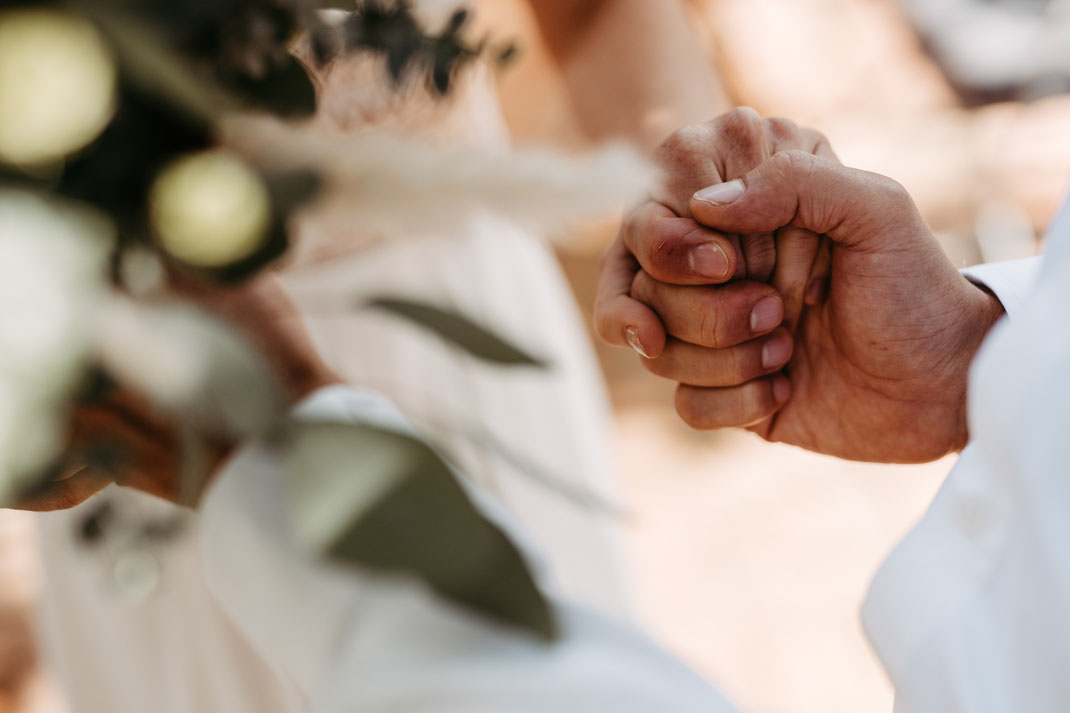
(659, 237)
(880, 349)
(147, 443)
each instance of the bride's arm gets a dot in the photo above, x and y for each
(635, 69)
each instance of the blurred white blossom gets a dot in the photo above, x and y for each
(52, 275)
(190, 365)
(379, 183)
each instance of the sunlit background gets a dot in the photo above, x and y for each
(751, 560)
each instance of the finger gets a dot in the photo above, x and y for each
(796, 253)
(739, 406)
(701, 366)
(619, 319)
(852, 207)
(760, 255)
(788, 136)
(746, 141)
(817, 288)
(716, 317)
(679, 250)
(66, 493)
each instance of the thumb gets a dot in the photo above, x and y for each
(795, 188)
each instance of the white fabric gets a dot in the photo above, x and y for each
(170, 651)
(1011, 281)
(513, 431)
(971, 613)
(355, 641)
(174, 651)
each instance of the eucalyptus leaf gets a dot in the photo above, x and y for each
(383, 500)
(458, 330)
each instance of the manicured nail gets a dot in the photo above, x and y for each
(721, 193)
(776, 352)
(632, 335)
(766, 315)
(781, 389)
(708, 260)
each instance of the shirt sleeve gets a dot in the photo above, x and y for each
(971, 612)
(349, 639)
(1010, 281)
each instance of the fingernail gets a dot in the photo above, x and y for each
(708, 260)
(721, 193)
(766, 315)
(632, 335)
(781, 389)
(776, 352)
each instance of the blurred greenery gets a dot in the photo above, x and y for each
(414, 517)
(365, 496)
(458, 330)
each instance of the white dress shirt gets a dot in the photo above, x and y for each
(972, 611)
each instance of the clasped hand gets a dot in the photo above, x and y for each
(788, 294)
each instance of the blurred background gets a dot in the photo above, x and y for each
(751, 560)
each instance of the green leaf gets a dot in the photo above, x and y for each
(458, 330)
(383, 500)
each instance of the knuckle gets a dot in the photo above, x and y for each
(796, 163)
(711, 325)
(660, 251)
(783, 129)
(892, 189)
(642, 287)
(743, 125)
(682, 145)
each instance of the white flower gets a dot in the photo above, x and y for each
(52, 273)
(189, 365)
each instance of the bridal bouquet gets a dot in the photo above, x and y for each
(123, 161)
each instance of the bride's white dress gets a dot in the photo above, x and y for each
(174, 649)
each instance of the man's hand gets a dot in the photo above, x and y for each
(879, 360)
(662, 237)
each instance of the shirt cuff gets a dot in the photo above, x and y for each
(1010, 281)
(339, 403)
